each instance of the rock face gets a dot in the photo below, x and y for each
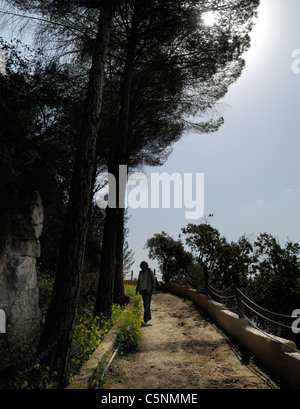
(19, 296)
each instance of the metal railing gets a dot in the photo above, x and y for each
(237, 301)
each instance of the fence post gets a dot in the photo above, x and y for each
(240, 305)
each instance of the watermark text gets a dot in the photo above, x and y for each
(296, 62)
(160, 190)
(2, 62)
(2, 322)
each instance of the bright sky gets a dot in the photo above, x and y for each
(251, 165)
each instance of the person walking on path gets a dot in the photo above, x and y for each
(145, 286)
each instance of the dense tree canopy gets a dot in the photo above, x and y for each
(174, 261)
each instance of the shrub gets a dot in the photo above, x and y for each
(129, 333)
(88, 333)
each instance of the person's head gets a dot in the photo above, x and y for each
(144, 265)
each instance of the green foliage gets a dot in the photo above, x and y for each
(173, 260)
(224, 261)
(45, 281)
(20, 365)
(267, 272)
(204, 241)
(16, 358)
(130, 333)
(35, 121)
(275, 281)
(130, 289)
(88, 333)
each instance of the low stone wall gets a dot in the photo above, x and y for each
(91, 370)
(275, 352)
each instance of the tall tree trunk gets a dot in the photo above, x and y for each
(57, 335)
(104, 300)
(119, 292)
(105, 291)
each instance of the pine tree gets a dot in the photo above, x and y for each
(56, 338)
(173, 68)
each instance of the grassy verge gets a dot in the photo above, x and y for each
(129, 332)
(88, 334)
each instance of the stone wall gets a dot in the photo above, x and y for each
(20, 247)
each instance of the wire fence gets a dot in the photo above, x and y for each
(272, 324)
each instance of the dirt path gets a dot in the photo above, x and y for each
(181, 349)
